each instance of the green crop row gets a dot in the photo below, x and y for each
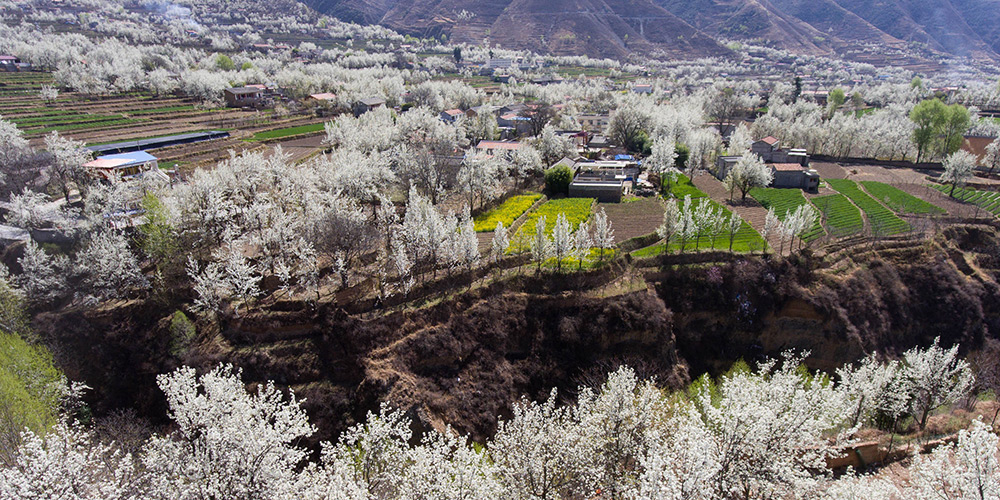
(987, 200)
(842, 217)
(288, 132)
(898, 200)
(784, 202)
(881, 220)
(506, 213)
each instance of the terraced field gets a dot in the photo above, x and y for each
(841, 217)
(881, 220)
(987, 200)
(106, 119)
(784, 202)
(898, 200)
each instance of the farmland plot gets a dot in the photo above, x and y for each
(784, 202)
(881, 220)
(507, 212)
(987, 200)
(841, 216)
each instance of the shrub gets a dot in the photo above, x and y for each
(182, 332)
(557, 179)
(683, 152)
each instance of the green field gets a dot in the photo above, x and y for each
(987, 200)
(898, 200)
(577, 210)
(683, 187)
(842, 217)
(881, 220)
(784, 202)
(288, 132)
(506, 213)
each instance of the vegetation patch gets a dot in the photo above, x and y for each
(577, 210)
(288, 132)
(506, 213)
(784, 202)
(898, 200)
(682, 187)
(881, 220)
(842, 217)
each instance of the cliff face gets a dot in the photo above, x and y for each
(465, 359)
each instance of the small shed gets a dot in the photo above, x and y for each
(122, 165)
(367, 104)
(793, 175)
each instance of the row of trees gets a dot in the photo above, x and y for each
(764, 432)
(562, 241)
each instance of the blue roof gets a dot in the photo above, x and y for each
(136, 156)
(624, 158)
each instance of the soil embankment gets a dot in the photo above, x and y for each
(464, 358)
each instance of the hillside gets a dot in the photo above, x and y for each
(687, 29)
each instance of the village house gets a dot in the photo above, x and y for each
(322, 97)
(514, 123)
(549, 80)
(607, 181)
(594, 123)
(451, 115)
(367, 104)
(9, 63)
(241, 97)
(643, 89)
(481, 110)
(493, 147)
(769, 150)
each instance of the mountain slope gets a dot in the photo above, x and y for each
(602, 28)
(691, 28)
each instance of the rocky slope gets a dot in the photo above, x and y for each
(464, 358)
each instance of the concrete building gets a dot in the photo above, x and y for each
(794, 176)
(606, 188)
